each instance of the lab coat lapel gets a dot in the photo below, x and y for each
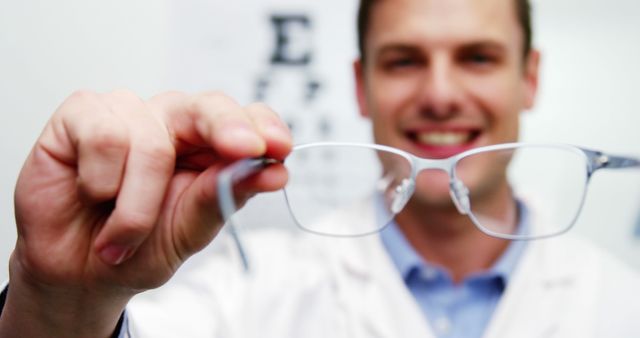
(376, 299)
(547, 296)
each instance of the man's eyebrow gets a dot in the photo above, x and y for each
(397, 48)
(484, 45)
(402, 48)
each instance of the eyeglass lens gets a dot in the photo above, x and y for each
(549, 180)
(325, 180)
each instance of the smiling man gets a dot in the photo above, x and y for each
(117, 192)
(438, 78)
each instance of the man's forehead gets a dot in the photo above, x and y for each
(444, 21)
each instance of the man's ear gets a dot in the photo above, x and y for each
(531, 77)
(358, 72)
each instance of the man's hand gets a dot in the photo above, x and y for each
(117, 192)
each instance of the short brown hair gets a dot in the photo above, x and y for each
(523, 11)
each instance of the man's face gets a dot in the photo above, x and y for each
(444, 76)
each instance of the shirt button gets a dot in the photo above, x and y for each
(442, 325)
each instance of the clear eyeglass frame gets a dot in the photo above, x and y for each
(593, 160)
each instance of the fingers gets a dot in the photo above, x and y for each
(198, 219)
(98, 142)
(272, 129)
(148, 171)
(101, 159)
(127, 150)
(231, 132)
(214, 120)
(272, 178)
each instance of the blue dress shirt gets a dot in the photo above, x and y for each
(453, 310)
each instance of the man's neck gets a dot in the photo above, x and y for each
(449, 239)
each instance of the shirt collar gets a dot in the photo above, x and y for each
(407, 260)
(507, 262)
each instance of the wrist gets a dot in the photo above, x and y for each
(34, 309)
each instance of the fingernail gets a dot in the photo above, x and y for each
(114, 254)
(246, 137)
(277, 132)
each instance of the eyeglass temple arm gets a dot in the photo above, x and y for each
(226, 179)
(600, 160)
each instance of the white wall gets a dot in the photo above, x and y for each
(48, 49)
(589, 96)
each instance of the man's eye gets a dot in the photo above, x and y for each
(479, 59)
(400, 63)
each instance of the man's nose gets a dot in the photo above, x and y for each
(441, 91)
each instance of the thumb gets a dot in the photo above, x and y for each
(198, 218)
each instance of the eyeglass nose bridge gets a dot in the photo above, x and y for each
(457, 189)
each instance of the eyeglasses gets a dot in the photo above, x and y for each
(551, 179)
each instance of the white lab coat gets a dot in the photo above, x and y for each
(311, 286)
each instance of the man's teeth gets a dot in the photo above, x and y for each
(443, 138)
